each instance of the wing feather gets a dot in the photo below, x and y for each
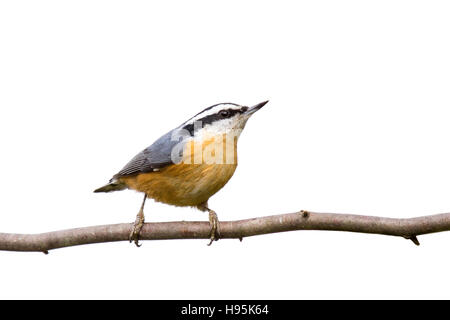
(157, 156)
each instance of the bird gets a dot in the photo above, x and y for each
(188, 164)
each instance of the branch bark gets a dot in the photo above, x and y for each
(303, 220)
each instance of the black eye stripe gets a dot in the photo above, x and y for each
(228, 113)
(214, 117)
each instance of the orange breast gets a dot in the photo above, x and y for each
(194, 180)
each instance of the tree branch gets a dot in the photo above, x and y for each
(303, 220)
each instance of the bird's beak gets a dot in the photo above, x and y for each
(256, 107)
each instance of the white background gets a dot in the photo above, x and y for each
(358, 122)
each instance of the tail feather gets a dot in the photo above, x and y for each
(112, 186)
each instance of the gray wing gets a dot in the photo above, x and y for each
(157, 156)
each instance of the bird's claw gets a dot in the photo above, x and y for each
(137, 226)
(214, 224)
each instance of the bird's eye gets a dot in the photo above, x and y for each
(243, 109)
(224, 113)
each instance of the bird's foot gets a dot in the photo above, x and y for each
(137, 226)
(214, 224)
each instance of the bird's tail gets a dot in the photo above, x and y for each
(113, 185)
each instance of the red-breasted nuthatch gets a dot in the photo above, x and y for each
(189, 164)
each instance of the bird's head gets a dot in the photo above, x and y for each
(215, 127)
(221, 118)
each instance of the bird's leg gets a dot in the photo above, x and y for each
(213, 222)
(138, 224)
